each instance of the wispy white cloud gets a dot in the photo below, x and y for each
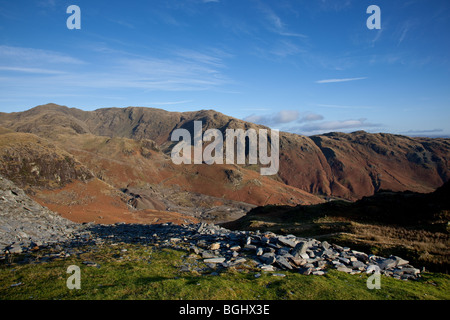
(286, 48)
(404, 29)
(202, 57)
(35, 56)
(31, 70)
(275, 23)
(340, 80)
(187, 71)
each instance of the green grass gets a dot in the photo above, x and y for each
(145, 272)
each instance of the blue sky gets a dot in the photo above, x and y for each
(306, 67)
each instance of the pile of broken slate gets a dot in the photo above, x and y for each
(220, 248)
(224, 248)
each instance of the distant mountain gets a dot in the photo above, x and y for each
(346, 165)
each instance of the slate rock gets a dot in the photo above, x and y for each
(283, 262)
(300, 248)
(306, 271)
(267, 258)
(388, 264)
(214, 260)
(287, 241)
(325, 245)
(358, 265)
(267, 267)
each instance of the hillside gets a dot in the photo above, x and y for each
(126, 177)
(347, 166)
(413, 225)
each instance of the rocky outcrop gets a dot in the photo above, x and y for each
(24, 224)
(31, 161)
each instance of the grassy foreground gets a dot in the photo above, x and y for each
(145, 272)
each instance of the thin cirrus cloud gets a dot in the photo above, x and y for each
(340, 80)
(30, 70)
(35, 56)
(188, 70)
(276, 24)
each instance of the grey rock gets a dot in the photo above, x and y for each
(300, 248)
(298, 261)
(358, 265)
(194, 249)
(207, 254)
(318, 273)
(410, 270)
(250, 247)
(214, 260)
(287, 241)
(15, 249)
(239, 261)
(400, 261)
(388, 264)
(344, 269)
(267, 267)
(267, 258)
(306, 271)
(344, 260)
(283, 263)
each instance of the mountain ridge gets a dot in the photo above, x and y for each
(344, 165)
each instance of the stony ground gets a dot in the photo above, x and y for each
(27, 226)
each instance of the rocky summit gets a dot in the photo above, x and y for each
(26, 226)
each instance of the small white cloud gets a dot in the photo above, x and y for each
(285, 116)
(309, 117)
(281, 117)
